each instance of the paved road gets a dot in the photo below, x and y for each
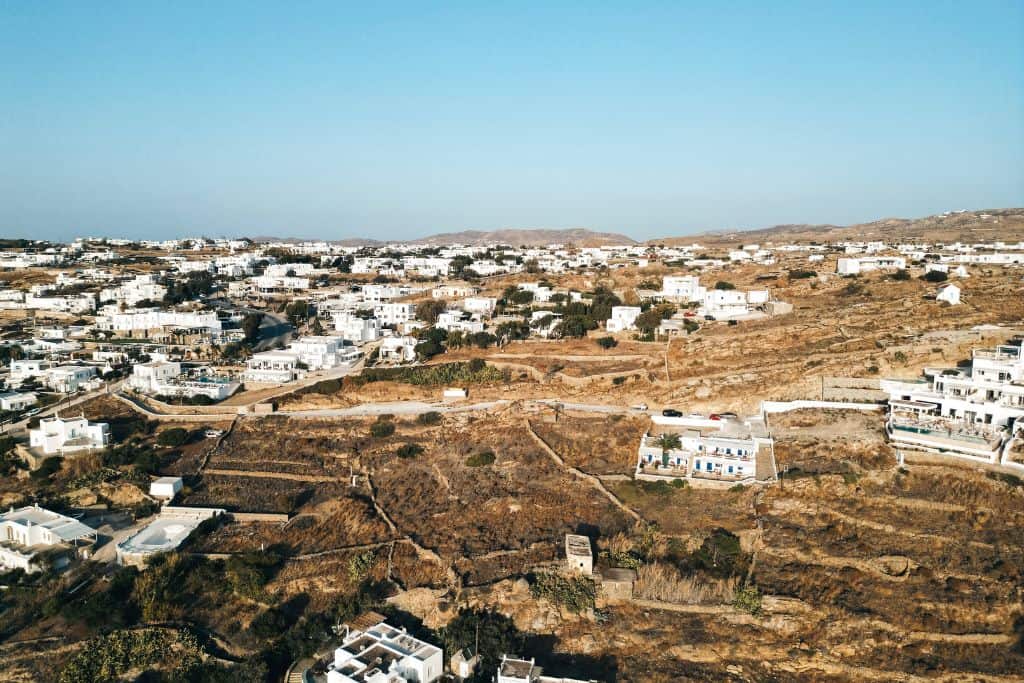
(64, 404)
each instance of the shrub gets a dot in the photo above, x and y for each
(433, 375)
(618, 381)
(935, 276)
(359, 566)
(901, 275)
(607, 342)
(409, 450)
(575, 593)
(480, 459)
(748, 599)
(723, 284)
(429, 418)
(801, 274)
(382, 429)
(176, 436)
(48, 467)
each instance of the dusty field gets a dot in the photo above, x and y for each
(596, 445)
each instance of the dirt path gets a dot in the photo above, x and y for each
(581, 474)
(315, 478)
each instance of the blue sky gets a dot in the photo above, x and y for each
(394, 120)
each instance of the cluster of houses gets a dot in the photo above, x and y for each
(974, 411)
(374, 651)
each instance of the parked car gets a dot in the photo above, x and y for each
(728, 416)
(640, 407)
(671, 412)
(714, 416)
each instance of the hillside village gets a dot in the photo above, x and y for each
(411, 462)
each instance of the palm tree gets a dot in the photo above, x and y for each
(667, 442)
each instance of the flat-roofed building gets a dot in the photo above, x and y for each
(373, 651)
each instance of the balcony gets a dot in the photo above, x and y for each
(723, 476)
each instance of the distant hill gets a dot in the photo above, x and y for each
(511, 236)
(965, 226)
(530, 237)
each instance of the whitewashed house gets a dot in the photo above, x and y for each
(27, 532)
(394, 314)
(14, 400)
(271, 367)
(149, 377)
(165, 488)
(68, 379)
(623, 318)
(682, 288)
(969, 411)
(56, 435)
(355, 329)
(321, 352)
(949, 294)
(865, 264)
(398, 349)
(708, 450)
(381, 653)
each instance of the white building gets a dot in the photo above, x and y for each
(354, 329)
(68, 379)
(853, 266)
(13, 400)
(623, 318)
(458, 320)
(142, 288)
(483, 305)
(26, 532)
(320, 352)
(149, 377)
(57, 435)
(708, 450)
(155, 319)
(381, 653)
(512, 670)
(165, 378)
(392, 314)
(165, 487)
(26, 369)
(398, 349)
(970, 411)
(682, 288)
(950, 294)
(271, 367)
(165, 533)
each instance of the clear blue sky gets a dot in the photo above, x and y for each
(394, 120)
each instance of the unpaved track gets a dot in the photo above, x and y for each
(581, 474)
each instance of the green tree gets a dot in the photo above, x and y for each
(251, 327)
(427, 311)
(490, 633)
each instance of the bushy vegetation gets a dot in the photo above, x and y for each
(606, 342)
(382, 429)
(748, 599)
(491, 633)
(575, 593)
(801, 274)
(409, 450)
(480, 459)
(935, 276)
(429, 418)
(173, 437)
(433, 375)
(110, 657)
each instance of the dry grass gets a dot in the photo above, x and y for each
(661, 581)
